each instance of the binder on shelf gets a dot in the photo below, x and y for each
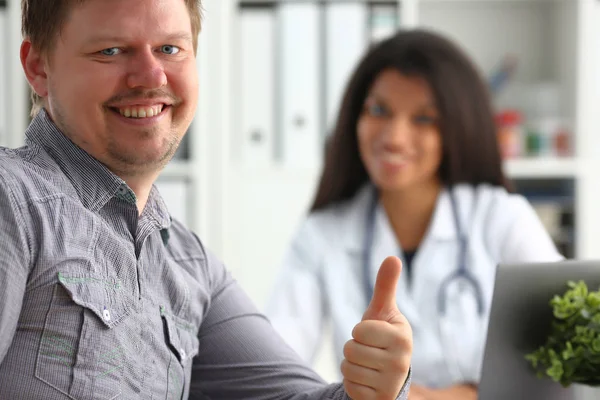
(346, 34)
(257, 79)
(299, 124)
(383, 20)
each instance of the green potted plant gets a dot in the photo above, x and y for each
(571, 354)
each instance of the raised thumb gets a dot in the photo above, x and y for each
(383, 306)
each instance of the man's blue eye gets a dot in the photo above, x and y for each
(112, 51)
(169, 49)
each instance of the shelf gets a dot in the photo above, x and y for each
(507, 2)
(178, 169)
(541, 168)
(515, 169)
(276, 171)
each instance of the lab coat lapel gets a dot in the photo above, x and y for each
(353, 228)
(435, 258)
(442, 224)
(385, 245)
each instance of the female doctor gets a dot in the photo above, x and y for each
(412, 169)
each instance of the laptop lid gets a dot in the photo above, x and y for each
(520, 320)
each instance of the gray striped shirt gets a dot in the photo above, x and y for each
(98, 302)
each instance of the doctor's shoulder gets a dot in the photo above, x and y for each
(511, 227)
(324, 230)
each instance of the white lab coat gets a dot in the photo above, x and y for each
(322, 277)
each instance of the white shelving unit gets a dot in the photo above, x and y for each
(3, 72)
(543, 168)
(15, 92)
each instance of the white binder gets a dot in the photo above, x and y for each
(384, 20)
(300, 95)
(347, 33)
(257, 80)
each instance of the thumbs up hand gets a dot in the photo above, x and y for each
(377, 361)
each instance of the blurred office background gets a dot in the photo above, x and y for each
(272, 75)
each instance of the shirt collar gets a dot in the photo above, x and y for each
(94, 183)
(157, 209)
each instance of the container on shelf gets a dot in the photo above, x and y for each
(510, 133)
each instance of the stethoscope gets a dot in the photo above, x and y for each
(462, 275)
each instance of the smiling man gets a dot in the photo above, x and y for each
(102, 294)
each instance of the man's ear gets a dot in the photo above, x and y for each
(34, 66)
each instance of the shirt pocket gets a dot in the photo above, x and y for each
(82, 348)
(182, 340)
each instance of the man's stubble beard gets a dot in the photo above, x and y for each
(124, 161)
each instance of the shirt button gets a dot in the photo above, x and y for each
(106, 315)
(182, 352)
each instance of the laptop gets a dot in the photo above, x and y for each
(520, 320)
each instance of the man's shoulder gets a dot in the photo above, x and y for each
(11, 160)
(13, 174)
(189, 251)
(184, 244)
(26, 175)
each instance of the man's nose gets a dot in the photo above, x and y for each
(146, 71)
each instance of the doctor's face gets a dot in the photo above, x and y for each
(398, 135)
(121, 81)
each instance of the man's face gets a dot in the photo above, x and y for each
(122, 81)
